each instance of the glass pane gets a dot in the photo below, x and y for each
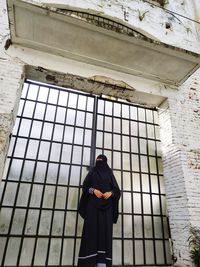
(23, 195)
(58, 220)
(32, 151)
(149, 252)
(70, 223)
(139, 252)
(134, 128)
(32, 221)
(150, 130)
(88, 137)
(126, 161)
(157, 227)
(75, 175)
(72, 100)
(128, 227)
(73, 198)
(47, 131)
(29, 108)
(153, 167)
(64, 174)
(117, 252)
(144, 163)
(78, 136)
(20, 147)
(149, 114)
(41, 251)
(53, 96)
(108, 107)
(66, 153)
(90, 103)
(25, 127)
(77, 152)
(48, 196)
(99, 139)
(32, 92)
(148, 227)
(107, 140)
(157, 130)
(141, 114)
(143, 146)
(146, 204)
(36, 195)
(18, 221)
(125, 143)
(82, 102)
(117, 228)
(63, 96)
(80, 119)
(5, 215)
(135, 163)
(137, 202)
(145, 183)
(2, 246)
(168, 251)
(9, 196)
(154, 184)
(45, 222)
(117, 142)
(50, 113)
(12, 251)
(99, 122)
(69, 132)
(138, 227)
(79, 226)
(27, 251)
(27, 174)
(60, 115)
(36, 129)
(44, 150)
(136, 182)
(61, 197)
(156, 204)
(58, 133)
(55, 152)
(117, 160)
(39, 111)
(70, 117)
(128, 252)
(151, 147)
(15, 169)
(117, 109)
(126, 181)
(142, 129)
(52, 174)
(125, 111)
(68, 249)
(89, 120)
(159, 252)
(43, 93)
(101, 106)
(127, 202)
(117, 125)
(108, 124)
(125, 126)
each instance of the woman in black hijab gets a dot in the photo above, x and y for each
(99, 209)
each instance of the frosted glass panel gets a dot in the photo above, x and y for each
(68, 249)
(27, 251)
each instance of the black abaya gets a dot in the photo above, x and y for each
(99, 215)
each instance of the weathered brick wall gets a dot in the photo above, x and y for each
(180, 130)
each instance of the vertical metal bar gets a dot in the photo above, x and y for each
(70, 167)
(150, 191)
(43, 189)
(131, 177)
(94, 132)
(141, 191)
(65, 213)
(122, 201)
(160, 201)
(56, 185)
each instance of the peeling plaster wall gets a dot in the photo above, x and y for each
(179, 114)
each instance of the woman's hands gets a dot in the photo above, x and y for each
(99, 194)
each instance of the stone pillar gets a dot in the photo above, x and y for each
(11, 81)
(180, 137)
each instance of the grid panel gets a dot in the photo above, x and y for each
(47, 161)
(128, 135)
(56, 137)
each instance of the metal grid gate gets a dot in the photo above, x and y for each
(58, 133)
